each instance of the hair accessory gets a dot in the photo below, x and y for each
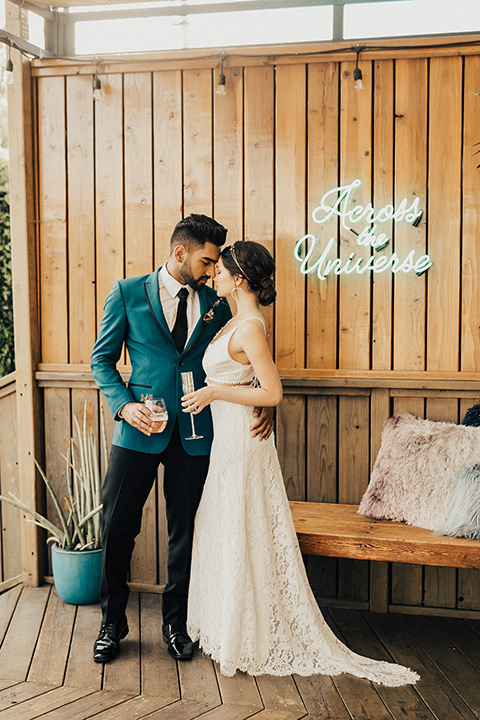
(242, 272)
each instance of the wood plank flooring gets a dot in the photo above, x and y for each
(46, 670)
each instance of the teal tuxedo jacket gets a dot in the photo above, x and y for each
(133, 315)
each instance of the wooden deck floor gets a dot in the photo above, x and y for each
(46, 670)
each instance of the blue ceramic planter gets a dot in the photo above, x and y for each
(76, 574)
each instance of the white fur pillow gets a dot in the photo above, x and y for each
(415, 469)
(464, 505)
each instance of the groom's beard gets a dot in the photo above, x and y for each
(190, 279)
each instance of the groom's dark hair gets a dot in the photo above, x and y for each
(197, 230)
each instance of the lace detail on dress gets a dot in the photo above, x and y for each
(250, 603)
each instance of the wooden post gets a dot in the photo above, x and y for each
(25, 303)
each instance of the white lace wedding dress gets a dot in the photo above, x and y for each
(250, 604)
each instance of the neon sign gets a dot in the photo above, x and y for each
(337, 203)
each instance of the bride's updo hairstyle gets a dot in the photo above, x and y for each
(253, 262)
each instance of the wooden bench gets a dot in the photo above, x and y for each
(338, 531)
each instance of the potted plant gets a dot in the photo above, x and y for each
(77, 540)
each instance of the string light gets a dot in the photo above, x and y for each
(357, 73)
(8, 74)
(97, 89)
(97, 86)
(221, 79)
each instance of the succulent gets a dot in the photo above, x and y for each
(80, 523)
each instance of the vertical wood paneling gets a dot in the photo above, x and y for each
(109, 424)
(441, 582)
(53, 214)
(411, 107)
(322, 448)
(81, 218)
(353, 452)
(197, 141)
(407, 580)
(353, 475)
(57, 439)
(321, 452)
(143, 567)
(383, 171)
(167, 158)
(163, 145)
(470, 327)
(379, 571)
(355, 163)
(10, 540)
(109, 187)
(321, 334)
(468, 590)
(84, 407)
(259, 166)
(290, 436)
(444, 212)
(138, 173)
(228, 155)
(162, 539)
(290, 212)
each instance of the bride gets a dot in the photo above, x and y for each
(250, 605)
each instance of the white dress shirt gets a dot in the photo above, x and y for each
(168, 288)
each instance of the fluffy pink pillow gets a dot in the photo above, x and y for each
(415, 469)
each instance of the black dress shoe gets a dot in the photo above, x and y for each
(180, 644)
(107, 644)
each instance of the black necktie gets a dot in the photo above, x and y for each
(179, 330)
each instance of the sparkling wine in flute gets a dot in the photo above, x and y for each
(188, 387)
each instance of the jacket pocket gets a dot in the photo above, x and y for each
(130, 384)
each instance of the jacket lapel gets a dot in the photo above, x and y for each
(153, 296)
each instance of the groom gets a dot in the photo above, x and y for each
(166, 320)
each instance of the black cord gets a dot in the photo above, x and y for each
(224, 56)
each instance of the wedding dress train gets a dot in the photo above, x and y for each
(250, 604)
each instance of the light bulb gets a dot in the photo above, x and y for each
(97, 89)
(8, 74)
(221, 85)
(357, 76)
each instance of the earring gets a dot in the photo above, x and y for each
(239, 289)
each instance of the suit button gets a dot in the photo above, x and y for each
(180, 362)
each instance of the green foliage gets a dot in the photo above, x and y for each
(7, 357)
(79, 511)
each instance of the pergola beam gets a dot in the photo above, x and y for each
(114, 13)
(15, 41)
(46, 13)
(25, 300)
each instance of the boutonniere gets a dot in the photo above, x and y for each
(210, 313)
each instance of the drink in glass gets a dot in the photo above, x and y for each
(188, 387)
(159, 412)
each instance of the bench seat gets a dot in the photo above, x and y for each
(338, 531)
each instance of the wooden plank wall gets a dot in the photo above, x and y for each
(115, 176)
(10, 540)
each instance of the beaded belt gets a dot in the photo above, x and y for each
(229, 384)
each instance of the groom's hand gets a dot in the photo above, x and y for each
(138, 416)
(264, 425)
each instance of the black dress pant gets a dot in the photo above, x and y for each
(128, 481)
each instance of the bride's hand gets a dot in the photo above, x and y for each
(196, 401)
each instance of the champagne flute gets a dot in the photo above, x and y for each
(189, 387)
